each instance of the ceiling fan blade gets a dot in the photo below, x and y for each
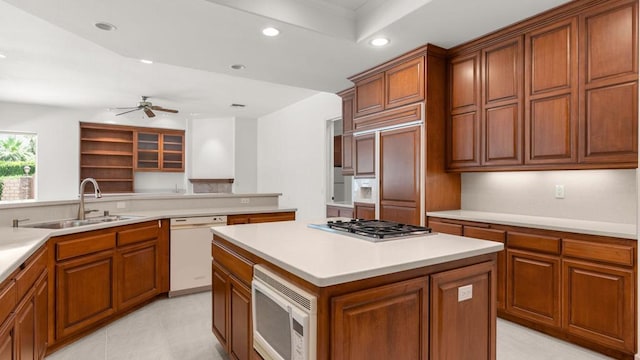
(126, 112)
(125, 108)
(149, 112)
(160, 108)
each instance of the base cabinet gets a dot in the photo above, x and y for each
(463, 313)
(390, 322)
(599, 304)
(577, 287)
(533, 289)
(260, 218)
(231, 302)
(7, 340)
(100, 274)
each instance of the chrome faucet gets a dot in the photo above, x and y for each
(96, 190)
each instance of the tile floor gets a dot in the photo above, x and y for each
(180, 329)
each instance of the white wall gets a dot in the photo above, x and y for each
(292, 154)
(246, 156)
(212, 148)
(599, 195)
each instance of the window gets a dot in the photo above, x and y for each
(17, 166)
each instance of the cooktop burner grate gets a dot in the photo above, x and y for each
(377, 228)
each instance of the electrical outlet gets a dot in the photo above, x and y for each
(245, 200)
(121, 205)
(465, 292)
(559, 192)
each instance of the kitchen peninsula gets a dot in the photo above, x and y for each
(416, 297)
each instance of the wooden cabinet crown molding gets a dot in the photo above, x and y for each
(424, 50)
(555, 14)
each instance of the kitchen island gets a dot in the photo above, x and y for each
(422, 297)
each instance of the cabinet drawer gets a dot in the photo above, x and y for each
(30, 273)
(453, 229)
(547, 244)
(236, 265)
(8, 300)
(85, 245)
(484, 234)
(611, 253)
(140, 234)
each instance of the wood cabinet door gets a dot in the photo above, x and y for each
(365, 155)
(241, 339)
(502, 103)
(400, 175)
(348, 213)
(600, 303)
(333, 211)
(172, 152)
(463, 315)
(147, 154)
(7, 340)
(348, 110)
(41, 303)
(364, 211)
(237, 219)
(25, 329)
(369, 96)
(533, 287)
(390, 322)
(404, 83)
(347, 154)
(551, 94)
(85, 292)
(463, 127)
(337, 151)
(219, 303)
(501, 263)
(137, 273)
(609, 82)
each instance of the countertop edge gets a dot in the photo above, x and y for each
(494, 218)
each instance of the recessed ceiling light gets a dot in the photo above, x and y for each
(379, 41)
(238, 67)
(105, 26)
(238, 105)
(3, 56)
(146, 61)
(270, 31)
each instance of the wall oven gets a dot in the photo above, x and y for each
(284, 318)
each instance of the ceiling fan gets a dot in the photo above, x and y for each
(147, 106)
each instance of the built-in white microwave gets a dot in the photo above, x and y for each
(284, 318)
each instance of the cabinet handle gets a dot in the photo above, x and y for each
(160, 223)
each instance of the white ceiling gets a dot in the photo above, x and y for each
(55, 56)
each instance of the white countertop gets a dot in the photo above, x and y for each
(626, 231)
(324, 258)
(17, 244)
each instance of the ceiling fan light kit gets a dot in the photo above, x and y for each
(147, 107)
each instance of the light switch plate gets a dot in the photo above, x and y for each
(465, 292)
(559, 192)
(244, 200)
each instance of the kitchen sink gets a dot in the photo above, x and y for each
(63, 224)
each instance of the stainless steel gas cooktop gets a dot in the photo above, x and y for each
(373, 230)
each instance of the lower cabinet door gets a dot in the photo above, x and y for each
(7, 340)
(85, 292)
(387, 322)
(501, 264)
(25, 329)
(463, 314)
(41, 304)
(600, 303)
(137, 273)
(219, 303)
(533, 286)
(241, 339)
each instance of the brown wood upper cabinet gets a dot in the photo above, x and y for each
(401, 84)
(609, 83)
(365, 155)
(159, 150)
(348, 110)
(558, 91)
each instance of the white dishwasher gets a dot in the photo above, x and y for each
(190, 253)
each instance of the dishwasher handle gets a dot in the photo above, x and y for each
(198, 222)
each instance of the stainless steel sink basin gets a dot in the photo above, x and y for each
(63, 224)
